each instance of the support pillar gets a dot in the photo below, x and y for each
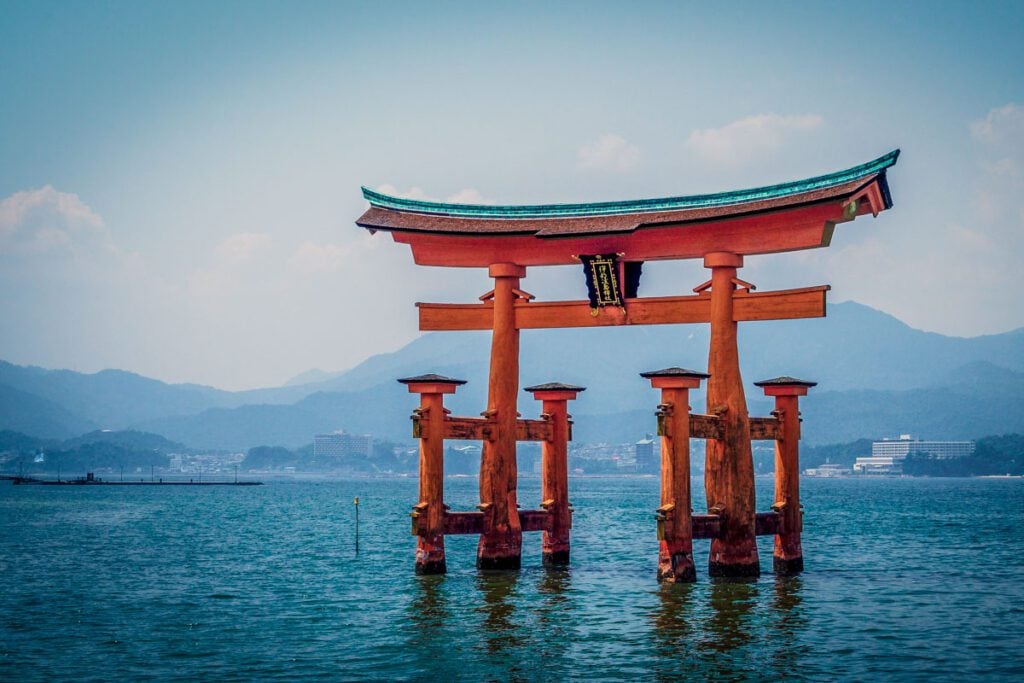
(554, 462)
(675, 515)
(788, 557)
(500, 545)
(428, 514)
(729, 466)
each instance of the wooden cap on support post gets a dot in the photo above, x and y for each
(675, 378)
(431, 384)
(785, 386)
(555, 391)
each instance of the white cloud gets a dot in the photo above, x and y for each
(411, 193)
(44, 220)
(609, 152)
(467, 195)
(1003, 125)
(244, 246)
(750, 137)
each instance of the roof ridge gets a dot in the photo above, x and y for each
(534, 211)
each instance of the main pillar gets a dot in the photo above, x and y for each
(554, 463)
(428, 514)
(675, 516)
(788, 557)
(729, 464)
(501, 542)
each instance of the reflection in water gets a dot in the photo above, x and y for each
(788, 621)
(430, 615)
(673, 629)
(555, 622)
(501, 633)
(430, 612)
(732, 602)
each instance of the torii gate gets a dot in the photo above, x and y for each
(719, 228)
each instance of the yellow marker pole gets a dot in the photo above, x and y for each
(356, 503)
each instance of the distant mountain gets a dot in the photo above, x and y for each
(312, 377)
(877, 376)
(112, 399)
(26, 413)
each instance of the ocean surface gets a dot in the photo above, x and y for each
(907, 579)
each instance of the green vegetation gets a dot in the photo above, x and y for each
(270, 458)
(994, 455)
(93, 451)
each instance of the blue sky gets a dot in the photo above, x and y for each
(179, 181)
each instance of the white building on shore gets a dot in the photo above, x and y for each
(887, 456)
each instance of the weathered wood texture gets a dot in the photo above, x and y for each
(429, 512)
(765, 429)
(705, 426)
(788, 555)
(500, 545)
(554, 457)
(675, 532)
(462, 523)
(788, 304)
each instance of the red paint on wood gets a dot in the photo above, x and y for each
(500, 545)
(729, 465)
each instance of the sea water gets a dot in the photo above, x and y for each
(906, 579)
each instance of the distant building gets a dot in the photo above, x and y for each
(828, 469)
(906, 445)
(341, 444)
(644, 455)
(887, 455)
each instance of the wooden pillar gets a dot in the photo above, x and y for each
(555, 470)
(788, 557)
(501, 542)
(428, 514)
(675, 516)
(729, 466)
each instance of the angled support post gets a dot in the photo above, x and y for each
(555, 469)
(675, 516)
(788, 557)
(429, 513)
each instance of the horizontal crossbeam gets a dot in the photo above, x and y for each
(786, 304)
(704, 526)
(458, 523)
(484, 429)
(765, 429)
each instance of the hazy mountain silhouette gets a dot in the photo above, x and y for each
(877, 376)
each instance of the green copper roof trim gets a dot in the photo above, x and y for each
(634, 206)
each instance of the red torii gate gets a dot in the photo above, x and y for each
(719, 228)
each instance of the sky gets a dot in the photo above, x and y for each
(179, 181)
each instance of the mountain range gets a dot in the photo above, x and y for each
(877, 377)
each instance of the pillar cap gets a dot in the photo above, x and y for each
(431, 384)
(675, 372)
(785, 381)
(555, 391)
(785, 386)
(675, 378)
(555, 386)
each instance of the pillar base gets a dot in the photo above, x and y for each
(751, 569)
(500, 550)
(431, 567)
(678, 569)
(499, 563)
(556, 558)
(788, 567)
